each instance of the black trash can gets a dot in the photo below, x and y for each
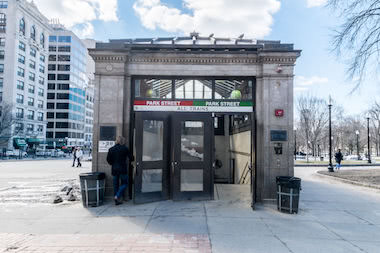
(288, 193)
(92, 188)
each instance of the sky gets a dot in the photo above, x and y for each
(308, 24)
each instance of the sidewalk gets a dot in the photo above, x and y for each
(333, 217)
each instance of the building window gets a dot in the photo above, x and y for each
(66, 39)
(52, 57)
(20, 85)
(51, 86)
(42, 40)
(32, 76)
(50, 105)
(2, 54)
(30, 115)
(51, 96)
(1, 96)
(20, 72)
(29, 127)
(64, 49)
(62, 96)
(31, 89)
(3, 4)
(52, 67)
(2, 42)
(50, 115)
(32, 64)
(30, 101)
(41, 80)
(1, 82)
(63, 86)
(52, 38)
(63, 57)
(1, 68)
(19, 113)
(20, 98)
(3, 22)
(33, 52)
(21, 46)
(62, 105)
(21, 59)
(42, 58)
(40, 104)
(63, 67)
(40, 92)
(22, 26)
(33, 33)
(42, 69)
(51, 76)
(40, 128)
(40, 116)
(62, 115)
(63, 77)
(52, 48)
(19, 126)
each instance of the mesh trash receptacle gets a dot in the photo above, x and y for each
(288, 192)
(92, 188)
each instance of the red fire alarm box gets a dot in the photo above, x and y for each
(279, 112)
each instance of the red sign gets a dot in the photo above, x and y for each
(279, 112)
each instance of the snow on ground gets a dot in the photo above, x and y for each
(39, 181)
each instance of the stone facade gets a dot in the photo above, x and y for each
(273, 67)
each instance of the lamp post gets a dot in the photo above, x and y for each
(295, 144)
(357, 143)
(330, 167)
(369, 147)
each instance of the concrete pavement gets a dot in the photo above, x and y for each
(333, 217)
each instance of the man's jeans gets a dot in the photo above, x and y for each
(119, 190)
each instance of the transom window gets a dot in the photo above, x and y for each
(218, 88)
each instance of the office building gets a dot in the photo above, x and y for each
(24, 33)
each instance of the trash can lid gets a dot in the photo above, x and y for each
(291, 182)
(93, 175)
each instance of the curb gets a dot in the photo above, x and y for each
(349, 181)
(343, 165)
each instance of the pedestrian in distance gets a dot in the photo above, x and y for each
(119, 158)
(73, 151)
(338, 159)
(79, 155)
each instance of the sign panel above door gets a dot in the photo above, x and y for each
(192, 106)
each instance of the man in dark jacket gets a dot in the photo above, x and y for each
(118, 157)
(338, 159)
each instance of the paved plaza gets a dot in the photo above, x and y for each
(333, 217)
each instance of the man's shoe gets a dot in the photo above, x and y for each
(118, 202)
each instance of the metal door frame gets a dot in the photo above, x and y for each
(139, 196)
(178, 165)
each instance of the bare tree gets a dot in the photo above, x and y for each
(359, 35)
(313, 114)
(7, 121)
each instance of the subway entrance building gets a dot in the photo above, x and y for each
(196, 111)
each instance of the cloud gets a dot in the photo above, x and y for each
(315, 3)
(302, 83)
(222, 17)
(72, 13)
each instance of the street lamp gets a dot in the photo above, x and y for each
(330, 167)
(357, 143)
(295, 144)
(369, 147)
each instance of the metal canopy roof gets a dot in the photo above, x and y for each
(195, 41)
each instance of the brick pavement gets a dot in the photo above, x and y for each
(129, 243)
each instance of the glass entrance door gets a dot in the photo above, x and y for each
(152, 157)
(173, 156)
(192, 175)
